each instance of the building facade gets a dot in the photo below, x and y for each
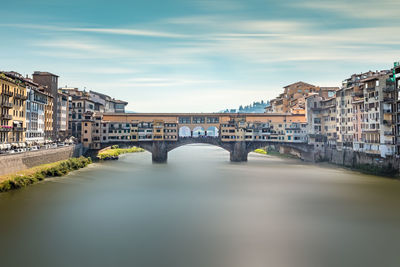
(35, 114)
(50, 83)
(13, 110)
(62, 115)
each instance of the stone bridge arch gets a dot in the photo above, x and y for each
(238, 150)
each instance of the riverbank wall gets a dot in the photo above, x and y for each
(12, 163)
(362, 161)
(368, 163)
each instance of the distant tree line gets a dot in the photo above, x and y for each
(255, 107)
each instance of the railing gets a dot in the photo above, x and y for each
(20, 96)
(388, 133)
(19, 129)
(359, 93)
(5, 117)
(388, 99)
(388, 89)
(6, 104)
(387, 122)
(120, 128)
(387, 111)
(5, 128)
(7, 93)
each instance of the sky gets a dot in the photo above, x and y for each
(197, 55)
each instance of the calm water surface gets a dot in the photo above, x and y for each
(201, 210)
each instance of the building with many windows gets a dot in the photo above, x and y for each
(49, 81)
(35, 114)
(13, 109)
(62, 115)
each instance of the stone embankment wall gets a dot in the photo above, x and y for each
(11, 163)
(354, 159)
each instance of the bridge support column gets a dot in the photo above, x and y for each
(239, 152)
(159, 152)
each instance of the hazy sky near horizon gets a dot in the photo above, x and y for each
(197, 55)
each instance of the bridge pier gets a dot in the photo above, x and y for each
(159, 152)
(239, 152)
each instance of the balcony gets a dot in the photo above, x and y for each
(388, 89)
(387, 111)
(387, 122)
(388, 99)
(371, 88)
(19, 129)
(6, 105)
(388, 133)
(7, 93)
(5, 117)
(358, 93)
(5, 128)
(20, 96)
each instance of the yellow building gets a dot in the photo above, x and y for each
(12, 111)
(134, 130)
(158, 130)
(48, 117)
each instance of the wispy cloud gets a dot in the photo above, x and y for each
(124, 31)
(383, 9)
(84, 48)
(116, 31)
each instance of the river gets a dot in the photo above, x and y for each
(201, 210)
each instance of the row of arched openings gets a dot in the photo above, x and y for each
(198, 131)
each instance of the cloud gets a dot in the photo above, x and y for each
(161, 82)
(79, 47)
(116, 31)
(367, 9)
(124, 31)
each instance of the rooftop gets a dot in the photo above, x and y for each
(298, 83)
(44, 73)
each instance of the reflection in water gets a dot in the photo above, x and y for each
(202, 210)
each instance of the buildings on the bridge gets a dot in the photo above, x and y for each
(100, 129)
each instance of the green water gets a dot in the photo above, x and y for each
(201, 210)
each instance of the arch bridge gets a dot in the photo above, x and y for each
(238, 150)
(160, 133)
